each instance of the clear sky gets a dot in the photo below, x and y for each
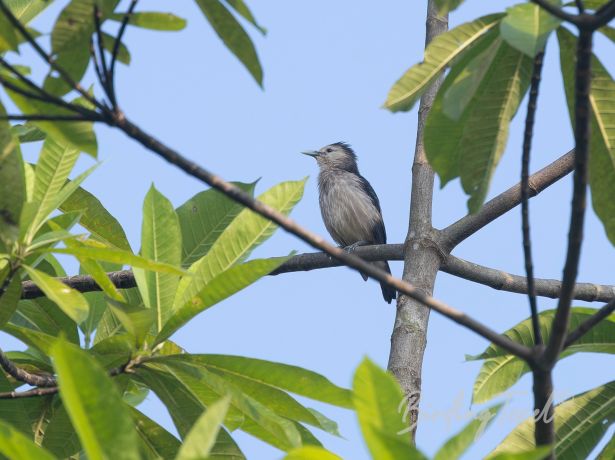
(328, 67)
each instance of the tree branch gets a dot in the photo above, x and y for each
(588, 324)
(116, 48)
(525, 194)
(29, 393)
(23, 376)
(557, 11)
(504, 202)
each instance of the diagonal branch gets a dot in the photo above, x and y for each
(525, 194)
(557, 11)
(116, 48)
(504, 202)
(24, 376)
(589, 323)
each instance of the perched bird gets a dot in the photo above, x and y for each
(349, 206)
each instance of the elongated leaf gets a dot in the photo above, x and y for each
(153, 20)
(70, 301)
(377, 399)
(277, 375)
(608, 32)
(8, 35)
(60, 437)
(12, 183)
(160, 242)
(123, 55)
(202, 436)
(74, 61)
(608, 451)
(527, 27)
(157, 441)
(477, 140)
(204, 217)
(445, 6)
(136, 320)
(534, 454)
(96, 218)
(219, 288)
(246, 232)
(15, 445)
(28, 133)
(96, 410)
(26, 10)
(580, 423)
(270, 396)
(31, 337)
(44, 316)
(311, 453)
(439, 54)
(602, 140)
(242, 9)
(233, 35)
(455, 447)
(500, 370)
(93, 250)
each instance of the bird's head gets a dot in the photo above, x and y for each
(338, 155)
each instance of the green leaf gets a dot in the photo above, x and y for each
(9, 299)
(60, 437)
(12, 183)
(527, 27)
(246, 232)
(219, 288)
(31, 337)
(42, 315)
(96, 410)
(94, 250)
(242, 9)
(233, 35)
(377, 399)
(79, 134)
(500, 370)
(26, 10)
(204, 217)
(152, 20)
(155, 440)
(446, 6)
(277, 375)
(15, 445)
(608, 32)
(136, 320)
(27, 133)
(202, 436)
(311, 453)
(602, 140)
(580, 423)
(8, 35)
(70, 301)
(534, 454)
(608, 451)
(440, 53)
(160, 242)
(75, 25)
(456, 446)
(471, 147)
(96, 219)
(268, 394)
(74, 61)
(123, 55)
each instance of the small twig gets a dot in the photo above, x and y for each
(24, 376)
(97, 69)
(589, 323)
(580, 6)
(101, 51)
(525, 194)
(116, 49)
(29, 393)
(575, 236)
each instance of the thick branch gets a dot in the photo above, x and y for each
(504, 202)
(23, 376)
(493, 278)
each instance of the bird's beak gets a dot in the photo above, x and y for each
(312, 153)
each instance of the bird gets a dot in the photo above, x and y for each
(349, 205)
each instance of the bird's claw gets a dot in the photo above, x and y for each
(349, 249)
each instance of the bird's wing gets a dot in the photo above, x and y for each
(380, 234)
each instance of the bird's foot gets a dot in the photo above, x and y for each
(349, 249)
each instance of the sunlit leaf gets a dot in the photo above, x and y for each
(16, 445)
(123, 55)
(242, 9)
(152, 20)
(136, 320)
(96, 410)
(311, 453)
(527, 27)
(440, 53)
(445, 6)
(233, 35)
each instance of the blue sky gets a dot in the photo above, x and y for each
(328, 67)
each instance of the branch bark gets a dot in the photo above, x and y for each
(421, 259)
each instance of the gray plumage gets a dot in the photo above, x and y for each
(349, 206)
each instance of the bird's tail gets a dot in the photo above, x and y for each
(388, 292)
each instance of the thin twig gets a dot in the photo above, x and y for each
(116, 49)
(580, 6)
(589, 323)
(97, 68)
(29, 393)
(101, 51)
(525, 194)
(575, 235)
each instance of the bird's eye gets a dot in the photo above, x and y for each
(329, 150)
